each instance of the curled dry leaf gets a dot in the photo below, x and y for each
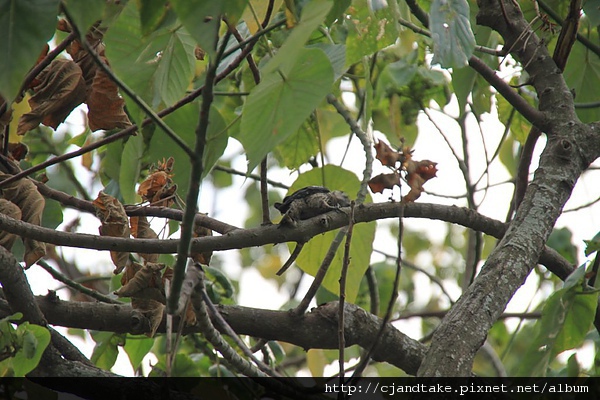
(418, 172)
(10, 209)
(384, 181)
(61, 88)
(144, 285)
(106, 108)
(158, 188)
(114, 223)
(24, 194)
(203, 257)
(137, 279)
(386, 155)
(152, 309)
(140, 229)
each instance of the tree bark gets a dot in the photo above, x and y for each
(570, 148)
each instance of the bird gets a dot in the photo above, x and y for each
(309, 202)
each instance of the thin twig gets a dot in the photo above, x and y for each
(74, 285)
(365, 359)
(342, 301)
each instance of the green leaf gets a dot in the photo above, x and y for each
(368, 31)
(25, 27)
(216, 140)
(453, 39)
(129, 173)
(36, 339)
(561, 240)
(582, 74)
(222, 279)
(566, 319)
(278, 106)
(184, 122)
(152, 13)
(298, 148)
(593, 245)
(519, 126)
(85, 13)
(591, 8)
(136, 348)
(311, 256)
(286, 58)
(202, 18)
(106, 350)
(158, 67)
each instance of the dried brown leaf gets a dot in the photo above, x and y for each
(114, 223)
(106, 108)
(386, 155)
(25, 195)
(148, 276)
(61, 88)
(7, 240)
(152, 309)
(381, 182)
(203, 257)
(140, 229)
(418, 172)
(158, 188)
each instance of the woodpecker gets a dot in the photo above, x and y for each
(309, 202)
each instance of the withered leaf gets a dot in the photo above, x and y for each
(114, 223)
(418, 172)
(60, 90)
(25, 195)
(12, 210)
(152, 309)
(386, 155)
(203, 257)
(140, 229)
(148, 276)
(158, 188)
(106, 109)
(384, 181)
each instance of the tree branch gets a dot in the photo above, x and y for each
(570, 149)
(304, 231)
(316, 329)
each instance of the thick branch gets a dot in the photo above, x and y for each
(260, 236)
(316, 329)
(570, 149)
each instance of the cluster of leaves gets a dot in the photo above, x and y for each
(417, 172)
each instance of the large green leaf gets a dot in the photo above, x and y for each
(202, 18)
(453, 39)
(136, 348)
(184, 122)
(309, 260)
(278, 106)
(85, 13)
(25, 27)
(35, 340)
(566, 319)
(368, 30)
(313, 14)
(106, 349)
(158, 67)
